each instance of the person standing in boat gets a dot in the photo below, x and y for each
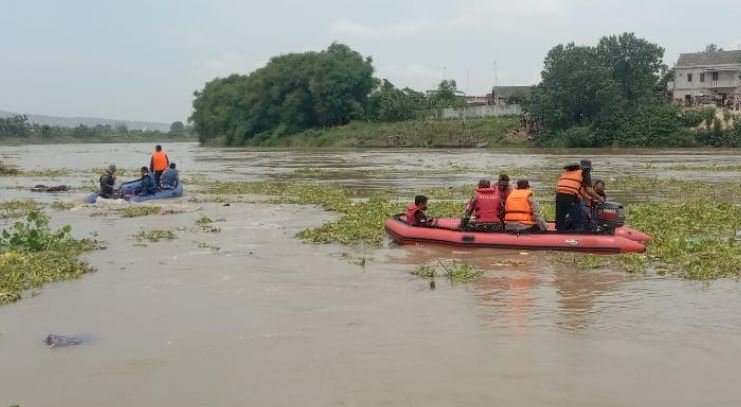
(171, 178)
(108, 182)
(521, 211)
(574, 184)
(487, 208)
(158, 163)
(416, 213)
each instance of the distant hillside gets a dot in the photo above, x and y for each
(89, 121)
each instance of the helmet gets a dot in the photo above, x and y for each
(112, 168)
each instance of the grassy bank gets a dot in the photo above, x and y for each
(413, 133)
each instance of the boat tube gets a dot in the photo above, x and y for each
(127, 190)
(448, 233)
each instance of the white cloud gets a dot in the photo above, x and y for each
(349, 28)
(230, 63)
(415, 76)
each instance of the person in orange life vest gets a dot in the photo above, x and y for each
(521, 211)
(575, 183)
(159, 163)
(486, 205)
(416, 213)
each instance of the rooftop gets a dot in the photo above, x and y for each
(709, 58)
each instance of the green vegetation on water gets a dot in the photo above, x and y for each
(694, 238)
(458, 271)
(154, 235)
(135, 211)
(18, 208)
(31, 255)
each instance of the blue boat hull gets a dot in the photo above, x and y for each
(129, 187)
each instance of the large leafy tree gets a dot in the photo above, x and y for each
(634, 63)
(291, 93)
(598, 89)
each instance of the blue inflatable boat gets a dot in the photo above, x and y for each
(128, 188)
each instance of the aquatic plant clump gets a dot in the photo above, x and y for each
(155, 235)
(140, 210)
(18, 208)
(459, 271)
(31, 255)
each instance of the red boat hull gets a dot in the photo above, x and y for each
(402, 233)
(626, 232)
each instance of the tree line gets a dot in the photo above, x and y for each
(299, 91)
(614, 94)
(609, 94)
(18, 127)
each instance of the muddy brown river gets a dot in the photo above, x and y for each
(270, 321)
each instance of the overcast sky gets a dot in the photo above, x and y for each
(142, 59)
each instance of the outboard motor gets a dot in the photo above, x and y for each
(608, 216)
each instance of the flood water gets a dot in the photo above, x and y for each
(270, 321)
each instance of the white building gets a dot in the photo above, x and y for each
(708, 77)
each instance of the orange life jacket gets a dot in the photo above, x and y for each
(159, 161)
(570, 183)
(518, 208)
(488, 204)
(411, 214)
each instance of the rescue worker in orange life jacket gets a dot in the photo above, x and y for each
(575, 183)
(521, 211)
(159, 163)
(486, 205)
(416, 213)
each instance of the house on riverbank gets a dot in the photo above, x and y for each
(708, 77)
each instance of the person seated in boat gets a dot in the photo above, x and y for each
(599, 188)
(486, 206)
(416, 213)
(147, 186)
(504, 189)
(521, 211)
(171, 178)
(108, 182)
(589, 203)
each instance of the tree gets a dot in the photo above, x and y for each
(446, 95)
(598, 90)
(634, 63)
(15, 126)
(389, 104)
(576, 89)
(712, 48)
(177, 128)
(291, 93)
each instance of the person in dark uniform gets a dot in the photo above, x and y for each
(107, 182)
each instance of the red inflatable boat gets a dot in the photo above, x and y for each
(625, 240)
